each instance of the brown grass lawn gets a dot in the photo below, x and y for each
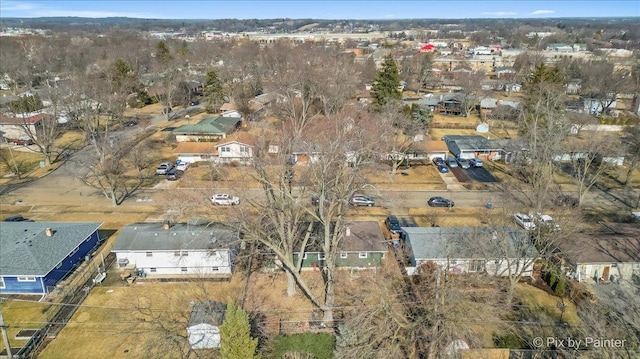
(121, 321)
(27, 314)
(545, 306)
(439, 120)
(26, 162)
(420, 177)
(442, 217)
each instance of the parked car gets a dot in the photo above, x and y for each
(464, 163)
(438, 161)
(443, 169)
(524, 221)
(194, 103)
(547, 221)
(174, 174)
(451, 162)
(393, 224)
(476, 162)
(440, 202)
(182, 166)
(358, 200)
(132, 123)
(17, 219)
(163, 168)
(23, 142)
(224, 199)
(564, 200)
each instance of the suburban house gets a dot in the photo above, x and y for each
(208, 129)
(180, 249)
(196, 151)
(610, 255)
(436, 149)
(498, 251)
(203, 328)
(19, 127)
(446, 104)
(362, 246)
(236, 149)
(35, 256)
(474, 146)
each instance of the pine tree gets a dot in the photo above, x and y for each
(235, 335)
(213, 92)
(163, 54)
(385, 87)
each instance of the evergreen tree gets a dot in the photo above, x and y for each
(235, 335)
(387, 81)
(213, 92)
(163, 54)
(421, 114)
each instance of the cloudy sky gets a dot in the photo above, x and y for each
(321, 9)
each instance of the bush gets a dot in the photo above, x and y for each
(320, 345)
(509, 341)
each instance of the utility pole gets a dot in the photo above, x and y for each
(5, 337)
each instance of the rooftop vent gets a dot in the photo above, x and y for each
(49, 232)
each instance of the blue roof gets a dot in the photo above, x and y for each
(25, 248)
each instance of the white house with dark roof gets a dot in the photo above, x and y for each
(498, 251)
(35, 256)
(179, 249)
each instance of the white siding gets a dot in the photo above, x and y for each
(233, 151)
(168, 263)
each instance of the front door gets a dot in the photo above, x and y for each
(605, 273)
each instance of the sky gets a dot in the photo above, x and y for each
(321, 9)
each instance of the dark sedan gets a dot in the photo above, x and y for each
(440, 202)
(174, 174)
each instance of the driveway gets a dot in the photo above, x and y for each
(480, 174)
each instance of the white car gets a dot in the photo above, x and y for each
(547, 221)
(524, 221)
(182, 166)
(223, 199)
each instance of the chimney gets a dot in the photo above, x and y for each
(166, 225)
(348, 232)
(49, 232)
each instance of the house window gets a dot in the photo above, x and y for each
(185, 253)
(2, 285)
(225, 149)
(176, 253)
(149, 254)
(26, 279)
(304, 256)
(321, 256)
(153, 270)
(344, 255)
(476, 266)
(244, 149)
(59, 265)
(183, 269)
(181, 254)
(215, 269)
(363, 255)
(73, 251)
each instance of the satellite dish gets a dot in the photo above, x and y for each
(482, 128)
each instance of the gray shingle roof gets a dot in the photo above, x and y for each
(468, 242)
(25, 249)
(181, 236)
(210, 125)
(209, 312)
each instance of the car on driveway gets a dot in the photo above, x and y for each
(547, 221)
(182, 166)
(194, 103)
(438, 161)
(443, 169)
(393, 224)
(451, 162)
(475, 162)
(224, 199)
(524, 221)
(358, 200)
(440, 202)
(464, 163)
(163, 168)
(174, 174)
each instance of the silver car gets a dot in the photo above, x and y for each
(451, 162)
(464, 163)
(163, 168)
(362, 201)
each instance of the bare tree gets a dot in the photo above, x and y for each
(603, 83)
(590, 159)
(631, 141)
(471, 83)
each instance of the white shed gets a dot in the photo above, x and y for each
(203, 329)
